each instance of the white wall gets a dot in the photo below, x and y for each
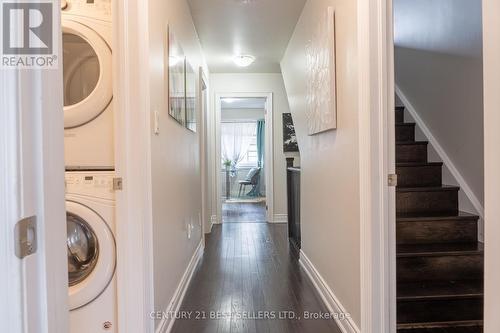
(330, 208)
(261, 83)
(175, 156)
(438, 67)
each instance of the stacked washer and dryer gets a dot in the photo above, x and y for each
(89, 159)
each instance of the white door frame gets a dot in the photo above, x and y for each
(135, 285)
(268, 155)
(204, 116)
(377, 161)
(491, 77)
(34, 290)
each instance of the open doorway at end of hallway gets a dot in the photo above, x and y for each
(243, 175)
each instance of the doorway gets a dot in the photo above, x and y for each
(244, 169)
(439, 165)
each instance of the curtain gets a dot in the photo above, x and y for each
(235, 140)
(260, 142)
(261, 136)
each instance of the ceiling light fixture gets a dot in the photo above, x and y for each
(243, 60)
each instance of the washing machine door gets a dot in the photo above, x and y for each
(91, 254)
(87, 74)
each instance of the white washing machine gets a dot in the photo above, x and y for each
(88, 85)
(90, 215)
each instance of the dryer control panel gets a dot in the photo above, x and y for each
(97, 184)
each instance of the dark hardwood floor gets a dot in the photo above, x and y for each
(246, 212)
(248, 270)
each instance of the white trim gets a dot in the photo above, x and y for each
(214, 220)
(11, 311)
(204, 102)
(279, 218)
(135, 285)
(34, 290)
(444, 156)
(268, 156)
(327, 295)
(376, 161)
(491, 77)
(175, 303)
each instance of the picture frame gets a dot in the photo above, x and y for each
(191, 101)
(175, 64)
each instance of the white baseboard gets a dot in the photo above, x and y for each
(167, 322)
(333, 304)
(280, 218)
(476, 203)
(214, 220)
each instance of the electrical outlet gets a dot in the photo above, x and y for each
(156, 117)
(189, 230)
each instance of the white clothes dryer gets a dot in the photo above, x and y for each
(90, 215)
(88, 86)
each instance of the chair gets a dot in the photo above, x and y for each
(252, 178)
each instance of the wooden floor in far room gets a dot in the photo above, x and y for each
(246, 212)
(248, 269)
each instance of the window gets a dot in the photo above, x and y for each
(250, 158)
(239, 143)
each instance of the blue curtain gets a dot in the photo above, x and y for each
(261, 135)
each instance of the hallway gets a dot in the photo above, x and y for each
(248, 270)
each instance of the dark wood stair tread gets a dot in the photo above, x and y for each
(404, 217)
(418, 164)
(440, 249)
(468, 326)
(439, 290)
(428, 188)
(406, 124)
(411, 143)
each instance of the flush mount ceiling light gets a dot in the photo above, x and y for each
(245, 2)
(244, 60)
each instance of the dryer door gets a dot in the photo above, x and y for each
(91, 254)
(88, 88)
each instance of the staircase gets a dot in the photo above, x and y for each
(439, 260)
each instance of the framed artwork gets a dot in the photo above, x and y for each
(289, 136)
(191, 118)
(176, 80)
(321, 105)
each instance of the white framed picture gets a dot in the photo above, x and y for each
(175, 64)
(191, 103)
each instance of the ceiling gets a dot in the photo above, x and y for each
(261, 28)
(243, 103)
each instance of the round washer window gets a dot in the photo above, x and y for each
(83, 249)
(81, 69)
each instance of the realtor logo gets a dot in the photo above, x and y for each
(28, 34)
